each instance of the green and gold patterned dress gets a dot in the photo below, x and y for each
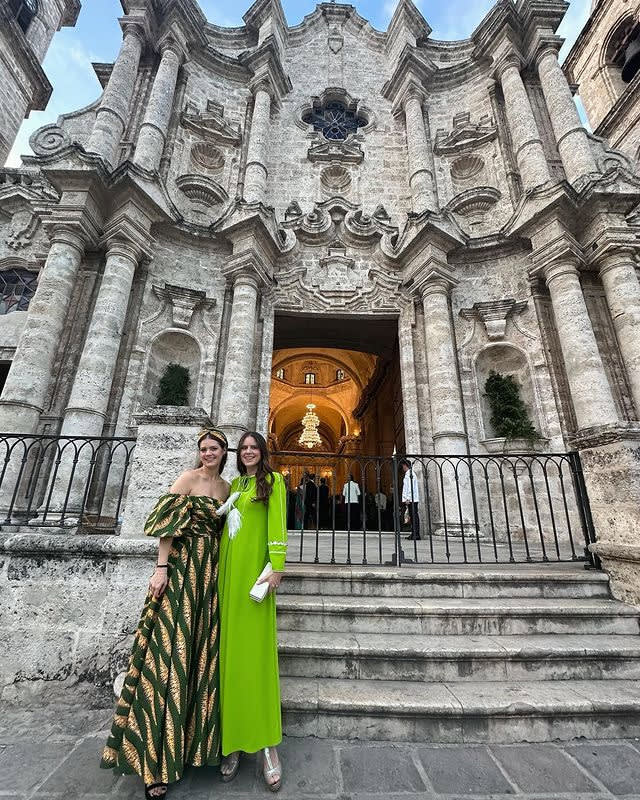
(249, 677)
(168, 715)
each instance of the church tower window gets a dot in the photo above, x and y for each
(25, 11)
(310, 378)
(17, 287)
(334, 119)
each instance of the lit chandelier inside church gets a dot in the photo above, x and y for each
(310, 436)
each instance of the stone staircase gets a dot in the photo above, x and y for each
(474, 654)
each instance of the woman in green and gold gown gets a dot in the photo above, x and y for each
(249, 677)
(168, 715)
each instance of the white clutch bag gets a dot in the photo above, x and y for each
(259, 590)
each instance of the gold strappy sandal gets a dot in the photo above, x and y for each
(269, 771)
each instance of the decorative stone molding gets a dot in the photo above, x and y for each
(466, 167)
(474, 202)
(207, 156)
(24, 225)
(202, 189)
(337, 272)
(348, 151)
(211, 126)
(494, 315)
(48, 140)
(335, 178)
(465, 135)
(183, 303)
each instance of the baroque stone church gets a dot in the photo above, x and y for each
(378, 217)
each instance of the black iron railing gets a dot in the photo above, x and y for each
(63, 480)
(428, 509)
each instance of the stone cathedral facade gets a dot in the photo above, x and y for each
(235, 193)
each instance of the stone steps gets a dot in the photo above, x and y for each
(486, 711)
(378, 656)
(465, 654)
(491, 581)
(454, 616)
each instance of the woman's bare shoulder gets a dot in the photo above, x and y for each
(184, 483)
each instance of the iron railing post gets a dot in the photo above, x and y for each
(584, 509)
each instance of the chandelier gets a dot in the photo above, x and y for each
(310, 436)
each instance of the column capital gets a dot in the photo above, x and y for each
(126, 237)
(248, 268)
(508, 60)
(436, 279)
(562, 267)
(547, 46)
(170, 44)
(265, 64)
(137, 26)
(69, 235)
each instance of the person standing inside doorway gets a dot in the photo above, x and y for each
(411, 498)
(351, 494)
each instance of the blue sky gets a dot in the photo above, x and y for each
(97, 37)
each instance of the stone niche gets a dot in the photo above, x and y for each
(177, 347)
(505, 359)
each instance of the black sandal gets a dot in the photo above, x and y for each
(148, 788)
(231, 775)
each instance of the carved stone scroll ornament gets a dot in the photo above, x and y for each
(48, 140)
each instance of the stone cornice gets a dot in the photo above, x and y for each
(244, 221)
(410, 69)
(263, 10)
(407, 17)
(428, 229)
(559, 250)
(122, 229)
(186, 17)
(601, 435)
(265, 65)
(70, 13)
(26, 59)
(433, 277)
(248, 265)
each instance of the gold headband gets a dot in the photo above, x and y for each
(213, 434)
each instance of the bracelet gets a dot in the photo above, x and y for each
(162, 566)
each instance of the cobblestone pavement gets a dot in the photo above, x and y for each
(52, 751)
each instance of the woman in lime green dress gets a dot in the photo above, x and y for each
(249, 677)
(167, 716)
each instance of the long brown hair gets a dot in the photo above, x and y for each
(265, 476)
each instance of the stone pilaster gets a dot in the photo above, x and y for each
(527, 144)
(590, 392)
(622, 290)
(406, 323)
(111, 118)
(25, 391)
(255, 176)
(234, 412)
(153, 131)
(571, 137)
(420, 156)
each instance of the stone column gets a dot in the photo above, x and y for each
(622, 290)
(233, 414)
(255, 175)
(153, 131)
(571, 137)
(421, 176)
(527, 144)
(111, 118)
(87, 407)
(25, 391)
(447, 415)
(592, 399)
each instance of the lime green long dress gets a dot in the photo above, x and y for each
(167, 716)
(250, 714)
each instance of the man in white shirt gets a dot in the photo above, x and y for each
(411, 497)
(351, 494)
